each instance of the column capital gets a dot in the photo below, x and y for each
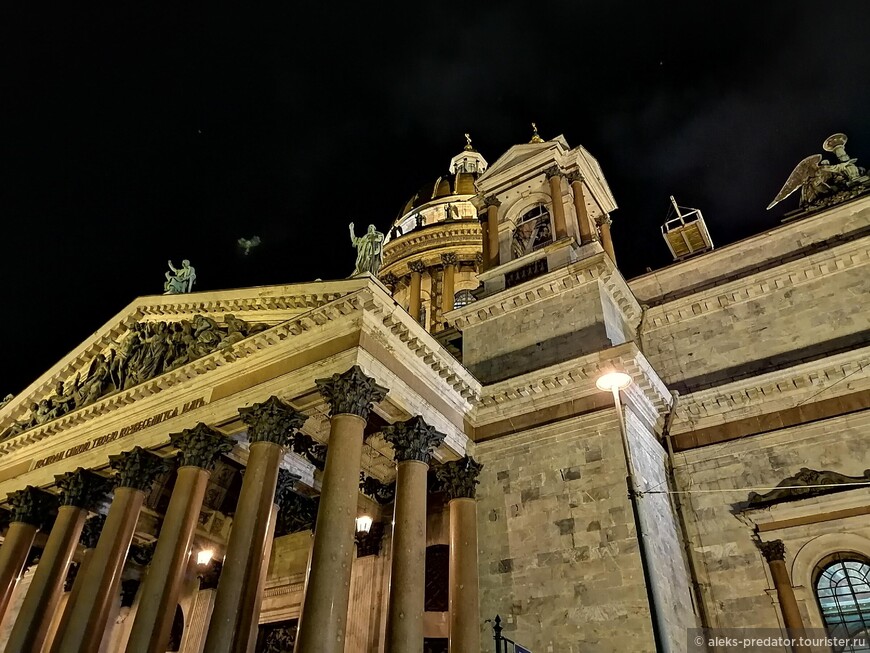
(491, 201)
(773, 550)
(285, 486)
(352, 392)
(295, 514)
(413, 439)
(201, 446)
(83, 488)
(91, 531)
(458, 478)
(32, 505)
(417, 266)
(602, 220)
(271, 421)
(138, 468)
(553, 171)
(449, 259)
(574, 176)
(389, 280)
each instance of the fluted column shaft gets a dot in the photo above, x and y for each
(464, 604)
(13, 556)
(31, 627)
(99, 580)
(492, 232)
(408, 561)
(323, 623)
(774, 553)
(237, 603)
(583, 222)
(559, 223)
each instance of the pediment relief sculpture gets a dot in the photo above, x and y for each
(806, 483)
(148, 350)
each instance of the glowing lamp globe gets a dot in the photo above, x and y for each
(364, 524)
(204, 557)
(613, 381)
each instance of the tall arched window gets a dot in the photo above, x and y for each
(533, 231)
(462, 298)
(843, 592)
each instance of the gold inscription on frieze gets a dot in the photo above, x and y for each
(117, 435)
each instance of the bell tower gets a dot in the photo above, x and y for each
(551, 290)
(543, 205)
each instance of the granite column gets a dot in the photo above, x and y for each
(583, 222)
(413, 441)
(80, 491)
(774, 553)
(200, 448)
(554, 177)
(271, 425)
(322, 625)
(97, 583)
(459, 480)
(31, 509)
(415, 301)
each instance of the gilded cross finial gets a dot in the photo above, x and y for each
(536, 138)
(468, 142)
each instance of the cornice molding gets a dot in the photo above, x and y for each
(572, 380)
(755, 286)
(588, 270)
(764, 393)
(461, 233)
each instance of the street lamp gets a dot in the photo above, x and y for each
(614, 382)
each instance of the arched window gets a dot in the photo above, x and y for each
(843, 592)
(533, 231)
(462, 298)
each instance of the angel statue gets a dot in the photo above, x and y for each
(823, 183)
(179, 281)
(369, 251)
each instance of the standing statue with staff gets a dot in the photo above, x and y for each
(369, 251)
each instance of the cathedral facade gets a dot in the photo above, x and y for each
(498, 443)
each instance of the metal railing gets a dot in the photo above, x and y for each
(502, 643)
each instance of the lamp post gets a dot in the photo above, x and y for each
(615, 382)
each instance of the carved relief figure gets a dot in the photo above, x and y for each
(146, 351)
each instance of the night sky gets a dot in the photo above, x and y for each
(134, 135)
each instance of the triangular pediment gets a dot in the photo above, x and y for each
(522, 153)
(156, 337)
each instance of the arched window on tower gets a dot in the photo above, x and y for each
(462, 298)
(533, 230)
(843, 591)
